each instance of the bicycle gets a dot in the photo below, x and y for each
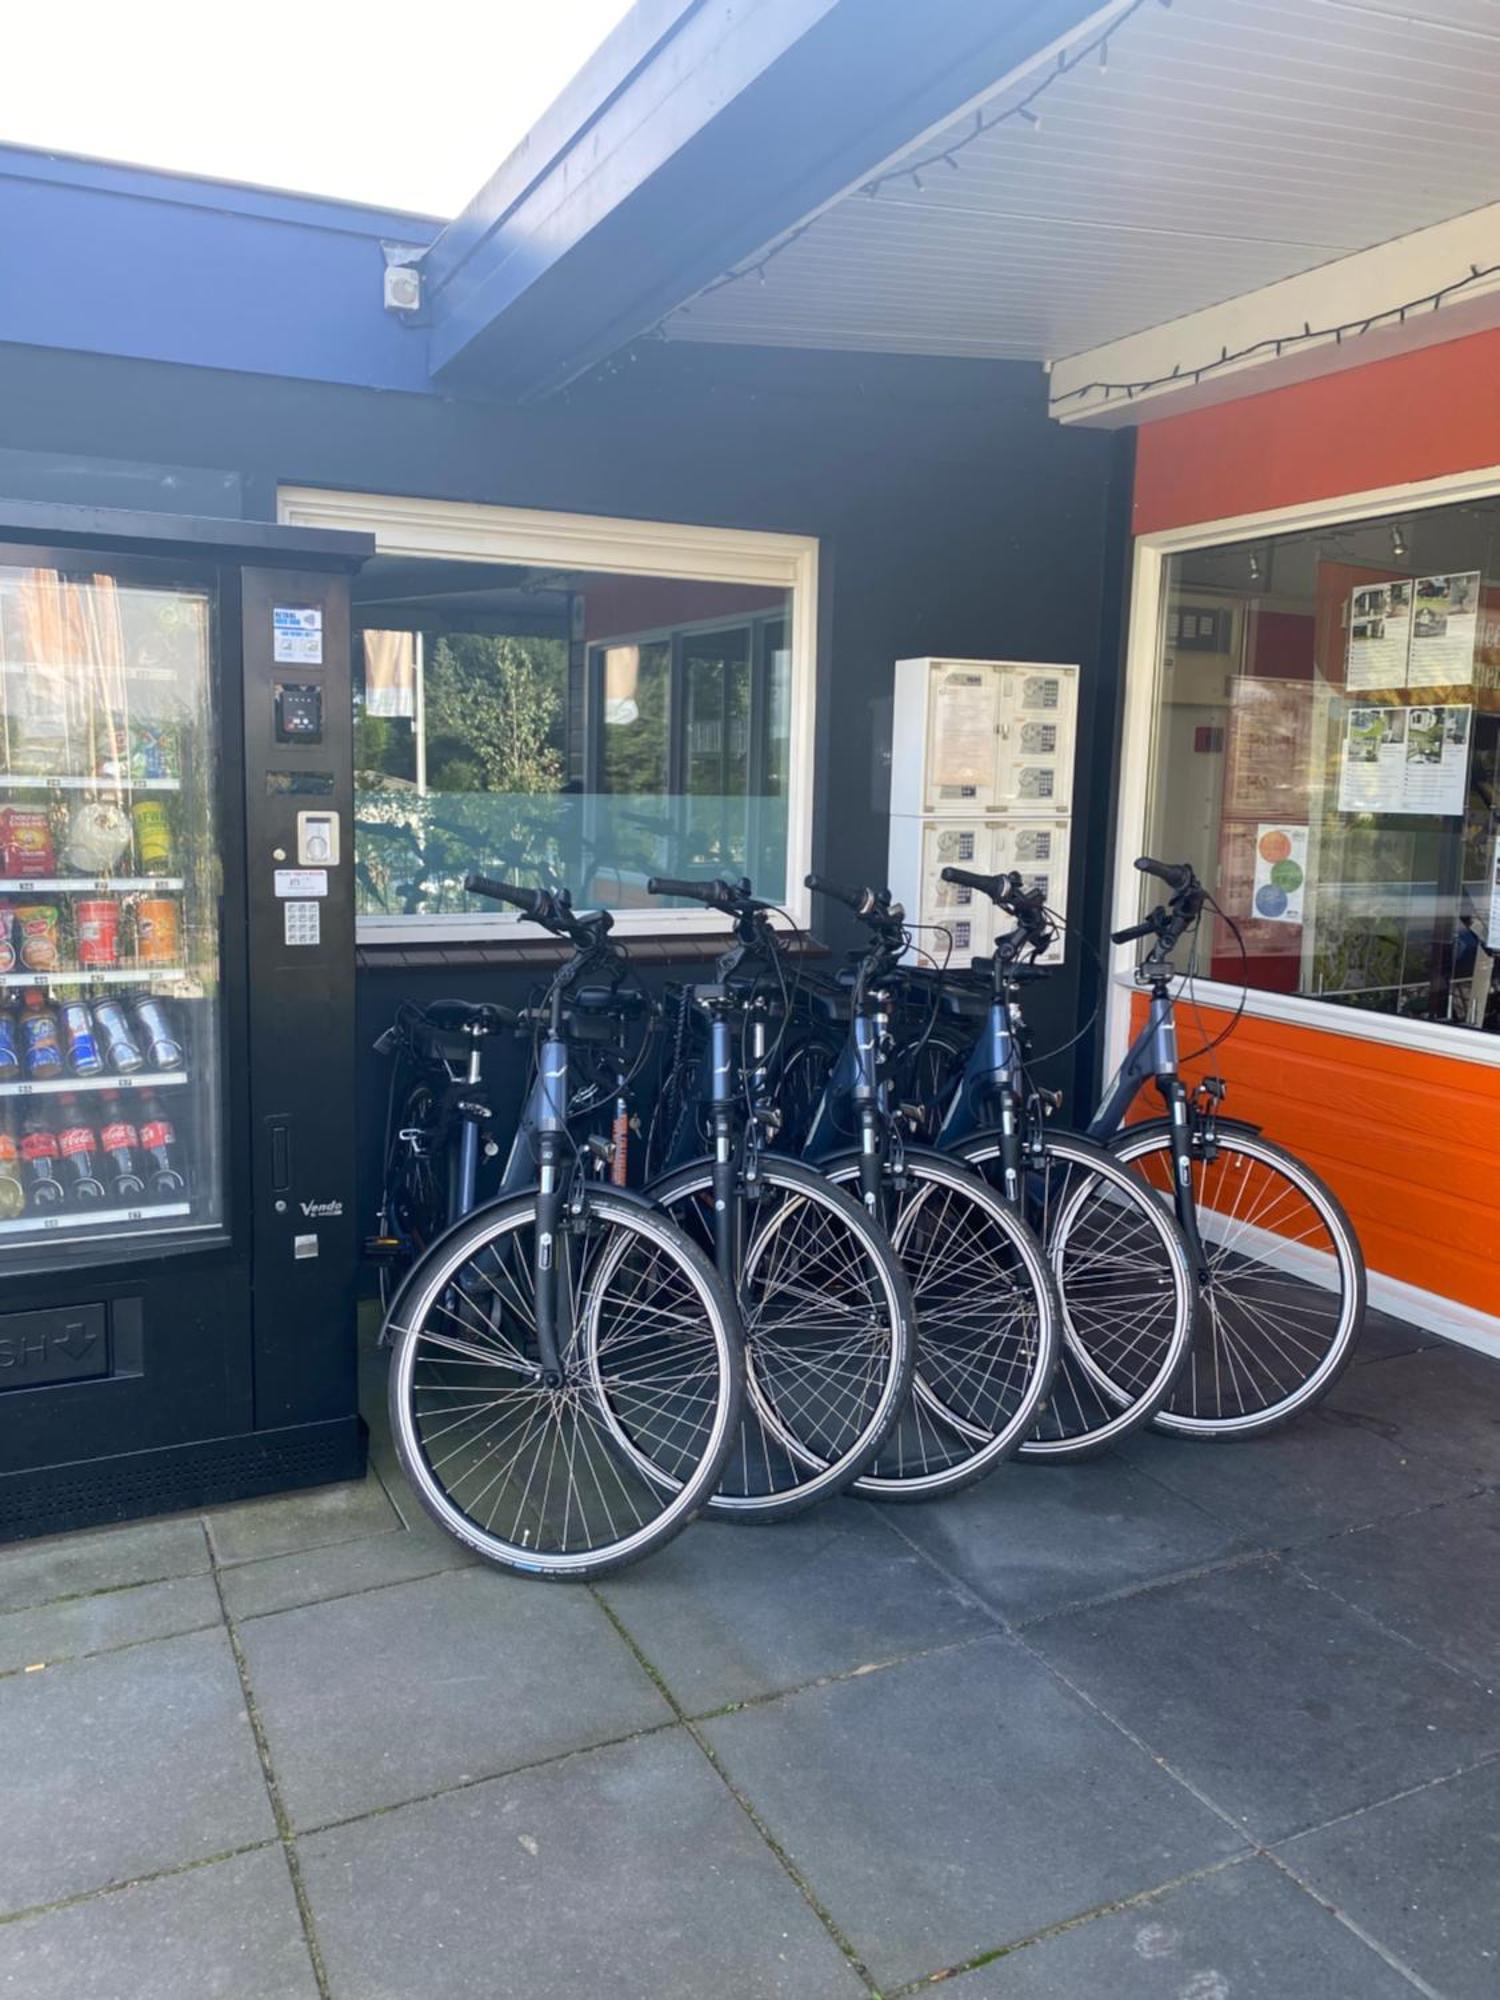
(566, 1369)
(1281, 1277)
(825, 1306)
(1123, 1272)
(988, 1313)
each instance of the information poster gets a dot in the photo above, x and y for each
(1405, 760)
(1379, 635)
(1419, 632)
(965, 719)
(1280, 873)
(1267, 769)
(1444, 629)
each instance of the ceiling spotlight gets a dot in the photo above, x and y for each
(1398, 542)
(1254, 567)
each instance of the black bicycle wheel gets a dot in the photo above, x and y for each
(413, 1207)
(1126, 1285)
(828, 1330)
(1280, 1312)
(575, 1480)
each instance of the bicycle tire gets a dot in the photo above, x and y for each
(947, 1224)
(1126, 1284)
(681, 1431)
(1227, 1354)
(811, 1421)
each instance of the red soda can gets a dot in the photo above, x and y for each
(96, 924)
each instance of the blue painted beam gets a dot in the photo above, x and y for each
(108, 259)
(702, 129)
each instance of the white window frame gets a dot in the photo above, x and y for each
(532, 537)
(1139, 751)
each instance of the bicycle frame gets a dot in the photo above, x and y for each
(855, 1084)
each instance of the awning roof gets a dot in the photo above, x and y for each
(1225, 145)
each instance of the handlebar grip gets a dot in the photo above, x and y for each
(528, 900)
(965, 878)
(861, 901)
(1132, 932)
(1177, 875)
(713, 894)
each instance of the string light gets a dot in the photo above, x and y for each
(1021, 112)
(1278, 343)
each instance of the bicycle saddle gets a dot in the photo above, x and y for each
(448, 1029)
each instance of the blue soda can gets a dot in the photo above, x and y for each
(84, 1058)
(41, 1041)
(10, 1047)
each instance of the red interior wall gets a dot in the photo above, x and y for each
(1414, 416)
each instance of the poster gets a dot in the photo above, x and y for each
(1492, 932)
(1444, 629)
(1280, 873)
(1437, 759)
(1379, 635)
(965, 718)
(297, 635)
(1267, 769)
(1405, 760)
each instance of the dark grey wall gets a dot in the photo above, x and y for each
(954, 517)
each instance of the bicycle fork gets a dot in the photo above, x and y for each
(553, 1303)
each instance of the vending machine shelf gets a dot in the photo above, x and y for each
(92, 975)
(17, 781)
(69, 1086)
(97, 885)
(92, 1218)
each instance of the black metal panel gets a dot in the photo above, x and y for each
(57, 1344)
(301, 1016)
(206, 1473)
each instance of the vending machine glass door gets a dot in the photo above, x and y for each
(111, 1111)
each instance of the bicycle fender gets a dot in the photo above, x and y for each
(1163, 1127)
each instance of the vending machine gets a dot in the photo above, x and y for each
(177, 1152)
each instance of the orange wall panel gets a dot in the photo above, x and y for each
(1408, 1141)
(1413, 416)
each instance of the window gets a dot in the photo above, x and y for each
(526, 707)
(1325, 741)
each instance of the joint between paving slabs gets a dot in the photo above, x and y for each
(284, 1831)
(778, 1852)
(134, 1882)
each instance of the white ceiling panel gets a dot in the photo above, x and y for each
(1228, 143)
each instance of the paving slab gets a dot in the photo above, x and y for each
(1434, 1577)
(727, 1613)
(629, 1871)
(70, 1565)
(1422, 1875)
(124, 1765)
(386, 1696)
(1382, 1337)
(1330, 1470)
(1281, 1704)
(278, 1583)
(1441, 1405)
(956, 1803)
(227, 1931)
(80, 1625)
(1243, 1933)
(1033, 1538)
(306, 1520)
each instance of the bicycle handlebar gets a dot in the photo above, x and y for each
(1132, 932)
(527, 900)
(1177, 875)
(713, 894)
(872, 905)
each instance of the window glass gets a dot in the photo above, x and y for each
(1325, 750)
(570, 728)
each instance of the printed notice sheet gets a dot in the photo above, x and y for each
(1444, 628)
(1379, 634)
(1280, 873)
(965, 717)
(1405, 760)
